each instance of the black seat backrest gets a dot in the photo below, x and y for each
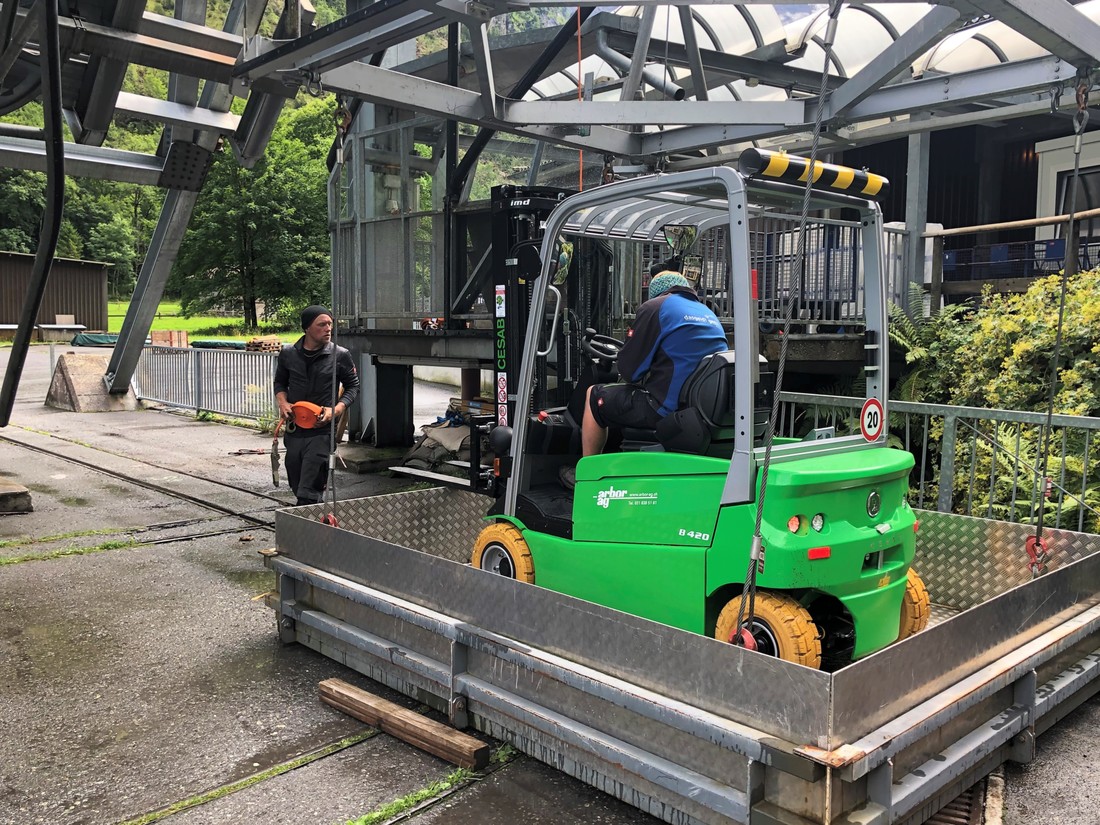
(709, 389)
(705, 421)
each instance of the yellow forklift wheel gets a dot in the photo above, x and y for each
(781, 626)
(914, 607)
(500, 548)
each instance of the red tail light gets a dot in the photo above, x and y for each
(815, 553)
(916, 526)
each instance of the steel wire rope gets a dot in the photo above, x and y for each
(1037, 548)
(748, 592)
(580, 98)
(343, 122)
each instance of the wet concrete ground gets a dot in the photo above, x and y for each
(139, 668)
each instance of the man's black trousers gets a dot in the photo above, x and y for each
(307, 465)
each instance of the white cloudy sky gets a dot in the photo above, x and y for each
(789, 13)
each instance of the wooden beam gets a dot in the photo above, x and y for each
(434, 737)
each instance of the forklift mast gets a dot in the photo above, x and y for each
(518, 221)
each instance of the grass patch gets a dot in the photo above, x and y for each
(69, 551)
(170, 317)
(455, 778)
(76, 534)
(225, 790)
(503, 755)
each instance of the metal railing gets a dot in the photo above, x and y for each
(978, 462)
(233, 383)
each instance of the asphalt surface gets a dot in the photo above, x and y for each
(140, 671)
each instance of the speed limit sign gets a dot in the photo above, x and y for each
(871, 419)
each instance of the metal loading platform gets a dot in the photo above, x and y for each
(684, 727)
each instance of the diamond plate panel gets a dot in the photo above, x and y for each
(439, 521)
(966, 561)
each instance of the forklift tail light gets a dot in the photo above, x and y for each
(496, 467)
(916, 526)
(815, 553)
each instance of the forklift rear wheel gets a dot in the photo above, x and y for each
(914, 606)
(781, 626)
(500, 548)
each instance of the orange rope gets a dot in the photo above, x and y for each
(580, 96)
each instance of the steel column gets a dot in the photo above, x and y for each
(163, 248)
(916, 206)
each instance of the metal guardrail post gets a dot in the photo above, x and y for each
(947, 464)
(196, 383)
(936, 287)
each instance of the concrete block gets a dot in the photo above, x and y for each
(77, 385)
(363, 458)
(14, 498)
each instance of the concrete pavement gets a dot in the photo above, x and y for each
(141, 677)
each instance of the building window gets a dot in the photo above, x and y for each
(1088, 197)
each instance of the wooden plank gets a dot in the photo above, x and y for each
(434, 737)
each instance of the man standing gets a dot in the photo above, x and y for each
(672, 333)
(305, 373)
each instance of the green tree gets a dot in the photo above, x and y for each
(22, 199)
(113, 242)
(261, 235)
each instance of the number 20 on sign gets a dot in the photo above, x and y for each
(871, 419)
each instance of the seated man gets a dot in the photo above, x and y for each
(672, 333)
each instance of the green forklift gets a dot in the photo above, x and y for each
(662, 524)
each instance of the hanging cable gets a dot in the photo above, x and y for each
(50, 68)
(1037, 551)
(580, 96)
(746, 609)
(342, 117)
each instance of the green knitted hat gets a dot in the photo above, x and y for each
(665, 281)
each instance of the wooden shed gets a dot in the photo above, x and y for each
(75, 288)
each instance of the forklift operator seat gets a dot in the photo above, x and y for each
(705, 422)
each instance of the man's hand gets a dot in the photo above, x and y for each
(329, 413)
(285, 410)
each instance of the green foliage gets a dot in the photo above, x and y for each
(929, 343)
(261, 235)
(22, 199)
(1009, 349)
(999, 355)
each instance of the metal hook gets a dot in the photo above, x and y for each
(1055, 98)
(1080, 118)
(342, 116)
(313, 85)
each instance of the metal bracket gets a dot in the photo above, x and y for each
(1021, 748)
(457, 713)
(288, 628)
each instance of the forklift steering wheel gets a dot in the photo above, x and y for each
(602, 347)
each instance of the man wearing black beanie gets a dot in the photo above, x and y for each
(304, 373)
